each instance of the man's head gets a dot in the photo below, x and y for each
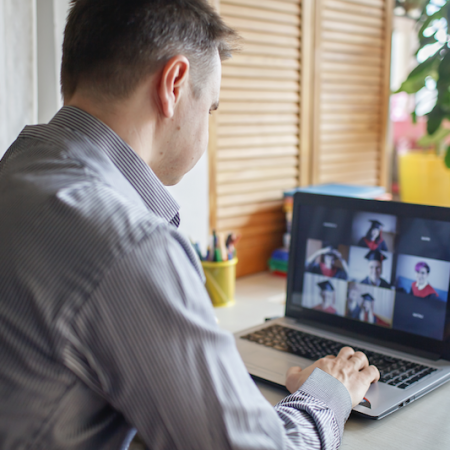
(111, 45)
(150, 70)
(422, 272)
(375, 258)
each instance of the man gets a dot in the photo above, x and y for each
(105, 323)
(421, 287)
(375, 259)
(328, 296)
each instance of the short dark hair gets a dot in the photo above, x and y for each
(111, 45)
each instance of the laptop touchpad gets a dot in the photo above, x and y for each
(274, 361)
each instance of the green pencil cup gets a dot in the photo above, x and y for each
(220, 281)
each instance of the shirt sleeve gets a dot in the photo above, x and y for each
(150, 336)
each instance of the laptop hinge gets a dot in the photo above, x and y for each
(371, 340)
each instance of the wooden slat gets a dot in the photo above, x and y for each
(351, 168)
(356, 136)
(346, 108)
(369, 117)
(362, 178)
(355, 87)
(340, 35)
(352, 59)
(259, 219)
(247, 210)
(244, 164)
(351, 69)
(245, 60)
(349, 98)
(362, 156)
(256, 174)
(262, 72)
(291, 7)
(257, 119)
(256, 186)
(273, 17)
(354, 48)
(326, 127)
(346, 79)
(249, 130)
(259, 96)
(348, 148)
(379, 4)
(348, 17)
(258, 107)
(261, 26)
(255, 152)
(356, 8)
(261, 38)
(270, 50)
(258, 230)
(252, 141)
(249, 198)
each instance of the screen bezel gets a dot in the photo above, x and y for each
(390, 336)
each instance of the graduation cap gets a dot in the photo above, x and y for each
(325, 286)
(367, 297)
(375, 255)
(376, 223)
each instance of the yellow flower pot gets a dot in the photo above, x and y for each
(424, 179)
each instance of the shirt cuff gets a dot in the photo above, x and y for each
(330, 391)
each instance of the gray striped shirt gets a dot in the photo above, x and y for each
(105, 325)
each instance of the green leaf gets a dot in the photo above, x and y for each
(436, 16)
(444, 67)
(447, 157)
(414, 117)
(435, 117)
(426, 41)
(436, 138)
(416, 79)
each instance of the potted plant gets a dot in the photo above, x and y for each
(424, 176)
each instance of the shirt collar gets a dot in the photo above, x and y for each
(139, 175)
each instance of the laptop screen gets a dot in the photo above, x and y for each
(371, 266)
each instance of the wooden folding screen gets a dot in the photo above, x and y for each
(302, 103)
(352, 61)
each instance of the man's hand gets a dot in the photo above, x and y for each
(349, 367)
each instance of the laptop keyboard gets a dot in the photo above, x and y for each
(393, 371)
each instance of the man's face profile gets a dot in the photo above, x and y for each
(187, 131)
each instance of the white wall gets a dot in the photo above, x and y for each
(192, 193)
(18, 76)
(31, 35)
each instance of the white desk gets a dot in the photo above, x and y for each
(424, 424)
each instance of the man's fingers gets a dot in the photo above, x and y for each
(372, 373)
(346, 353)
(360, 360)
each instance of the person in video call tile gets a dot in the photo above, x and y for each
(375, 260)
(421, 288)
(367, 314)
(327, 265)
(354, 302)
(374, 237)
(328, 298)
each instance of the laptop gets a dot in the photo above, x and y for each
(370, 274)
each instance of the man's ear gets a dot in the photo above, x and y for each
(174, 79)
